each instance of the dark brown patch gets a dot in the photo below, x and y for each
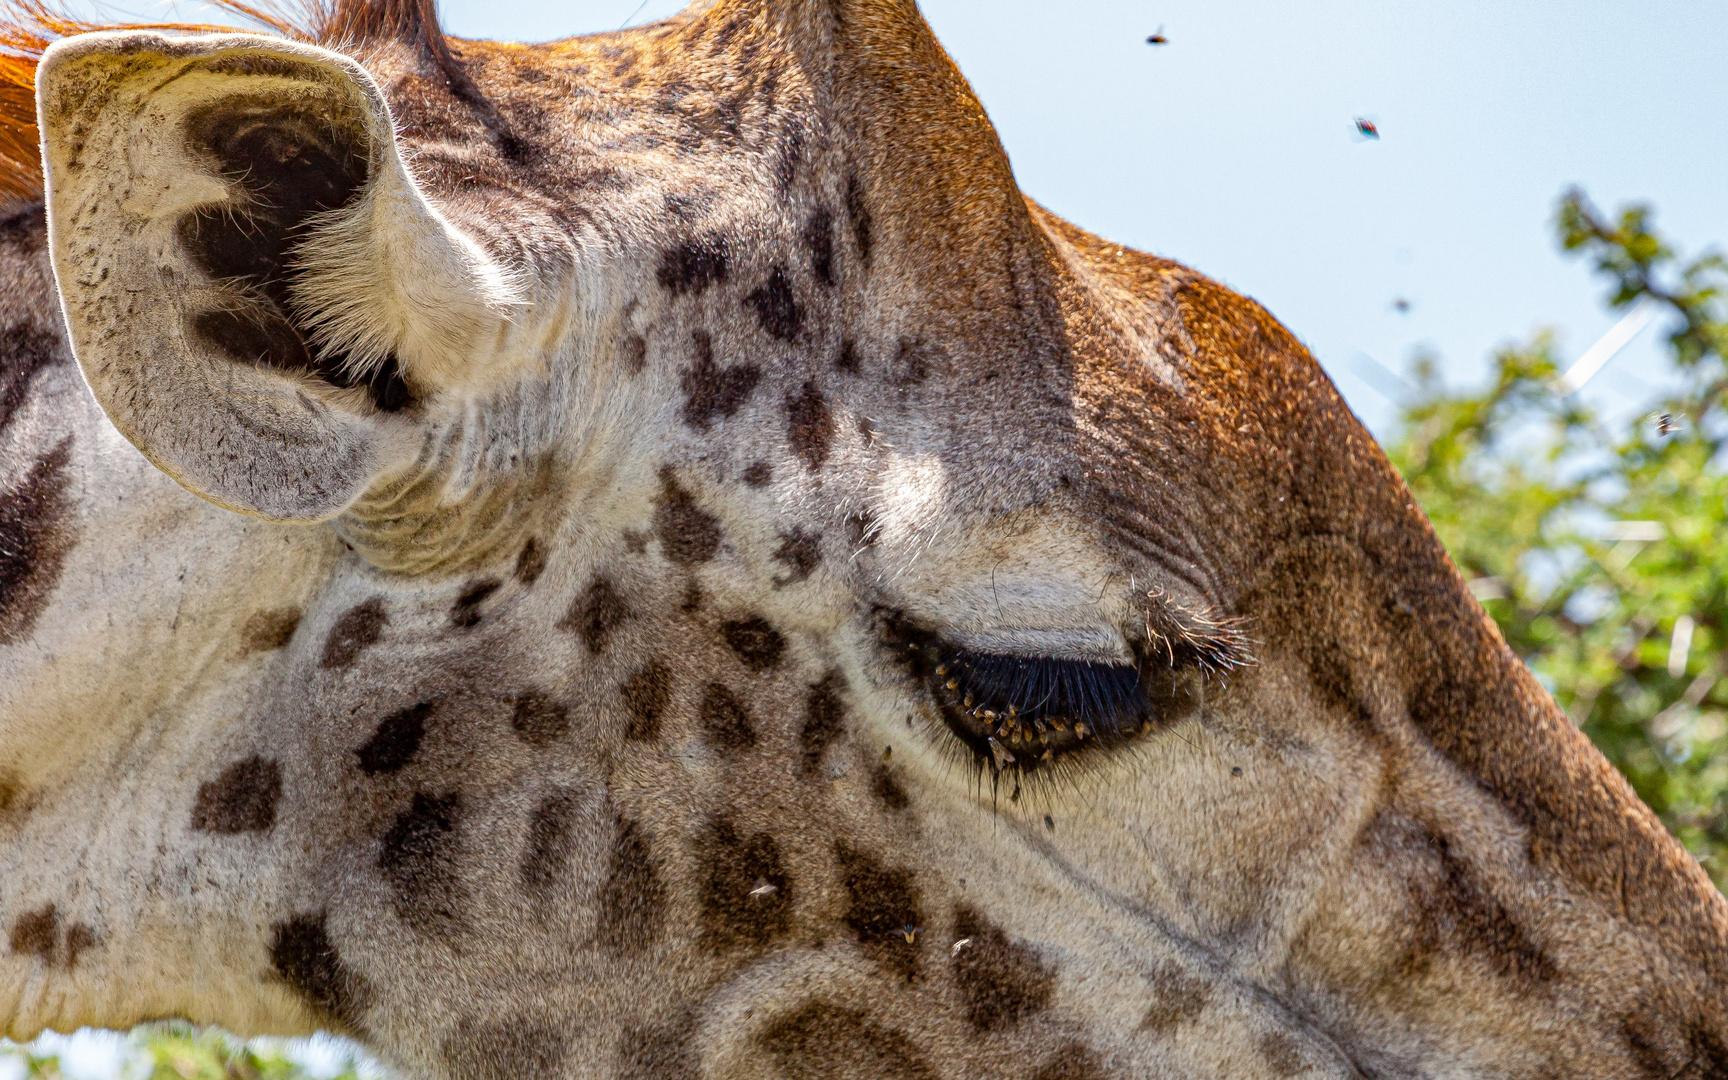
(595, 614)
(24, 351)
(266, 631)
(866, 430)
(733, 870)
(800, 552)
(512, 1050)
(776, 308)
(863, 229)
(646, 695)
(632, 899)
(758, 645)
(1000, 981)
(819, 244)
(11, 794)
(693, 599)
(635, 354)
(1177, 997)
(418, 857)
(725, 720)
(883, 902)
(36, 933)
(531, 563)
(863, 527)
(809, 426)
(1282, 1052)
(887, 789)
(395, 741)
(824, 720)
(822, 1041)
(34, 541)
(465, 612)
(759, 474)
(538, 720)
(693, 267)
(357, 630)
(1665, 1050)
(80, 939)
(635, 542)
(243, 799)
(688, 534)
(303, 956)
(848, 358)
(659, 1052)
(1452, 911)
(551, 840)
(711, 391)
(914, 361)
(1075, 1061)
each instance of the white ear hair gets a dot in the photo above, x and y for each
(390, 275)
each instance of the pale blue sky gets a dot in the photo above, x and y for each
(1232, 148)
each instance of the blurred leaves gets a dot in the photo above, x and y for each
(1597, 543)
(177, 1051)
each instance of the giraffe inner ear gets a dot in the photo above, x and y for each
(259, 295)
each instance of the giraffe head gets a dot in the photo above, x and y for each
(688, 572)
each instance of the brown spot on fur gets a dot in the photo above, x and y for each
(1452, 911)
(531, 563)
(465, 612)
(550, 842)
(914, 361)
(80, 939)
(824, 720)
(688, 534)
(635, 354)
(712, 392)
(395, 741)
(758, 645)
(632, 899)
(1282, 1052)
(24, 351)
(596, 613)
(34, 541)
(635, 542)
(418, 858)
(823, 1041)
(538, 720)
(303, 956)
(512, 1050)
(862, 525)
(646, 695)
(243, 799)
(11, 794)
(883, 901)
(818, 239)
(658, 1052)
(694, 598)
(863, 229)
(36, 933)
(725, 720)
(1177, 997)
(1075, 1061)
(801, 553)
(809, 426)
(357, 630)
(776, 308)
(759, 474)
(887, 789)
(848, 360)
(266, 631)
(1666, 1050)
(734, 869)
(1001, 981)
(693, 267)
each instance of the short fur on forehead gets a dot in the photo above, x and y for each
(28, 27)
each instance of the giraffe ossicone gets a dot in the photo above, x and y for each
(647, 556)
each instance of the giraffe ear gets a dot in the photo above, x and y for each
(258, 294)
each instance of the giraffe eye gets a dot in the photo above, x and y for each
(1019, 713)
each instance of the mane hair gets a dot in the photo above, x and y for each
(27, 27)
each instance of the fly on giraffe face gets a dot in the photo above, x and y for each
(648, 556)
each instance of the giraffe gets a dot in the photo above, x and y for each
(647, 556)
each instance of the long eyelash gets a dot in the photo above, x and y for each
(1106, 697)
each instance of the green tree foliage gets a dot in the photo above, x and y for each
(1597, 545)
(177, 1051)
